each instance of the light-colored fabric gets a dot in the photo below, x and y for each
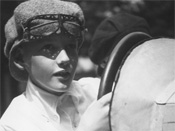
(37, 110)
(144, 97)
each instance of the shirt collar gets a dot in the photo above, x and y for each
(49, 101)
(74, 93)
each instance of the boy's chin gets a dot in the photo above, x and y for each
(62, 88)
(58, 92)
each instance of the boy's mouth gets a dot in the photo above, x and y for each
(63, 74)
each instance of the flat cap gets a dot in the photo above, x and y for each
(14, 28)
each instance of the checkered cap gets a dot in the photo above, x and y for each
(23, 12)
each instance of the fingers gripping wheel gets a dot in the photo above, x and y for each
(115, 60)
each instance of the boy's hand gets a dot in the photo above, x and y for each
(95, 117)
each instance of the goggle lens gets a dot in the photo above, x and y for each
(52, 24)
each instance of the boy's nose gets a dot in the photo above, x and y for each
(63, 59)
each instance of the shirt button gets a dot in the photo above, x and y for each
(46, 119)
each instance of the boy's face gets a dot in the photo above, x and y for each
(51, 63)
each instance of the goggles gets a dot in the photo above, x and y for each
(41, 26)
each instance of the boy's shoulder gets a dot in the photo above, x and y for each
(18, 107)
(15, 112)
(22, 114)
(17, 104)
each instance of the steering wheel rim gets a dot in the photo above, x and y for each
(116, 58)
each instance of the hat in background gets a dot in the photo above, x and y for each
(22, 13)
(111, 31)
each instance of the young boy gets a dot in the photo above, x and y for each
(42, 42)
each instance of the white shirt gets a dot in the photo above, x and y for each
(37, 110)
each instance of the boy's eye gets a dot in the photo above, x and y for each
(48, 50)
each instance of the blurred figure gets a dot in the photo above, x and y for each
(110, 32)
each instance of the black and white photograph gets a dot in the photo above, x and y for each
(87, 65)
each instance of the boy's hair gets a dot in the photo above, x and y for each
(38, 19)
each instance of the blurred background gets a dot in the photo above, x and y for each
(160, 15)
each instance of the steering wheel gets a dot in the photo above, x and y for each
(115, 60)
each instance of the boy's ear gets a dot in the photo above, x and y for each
(18, 58)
